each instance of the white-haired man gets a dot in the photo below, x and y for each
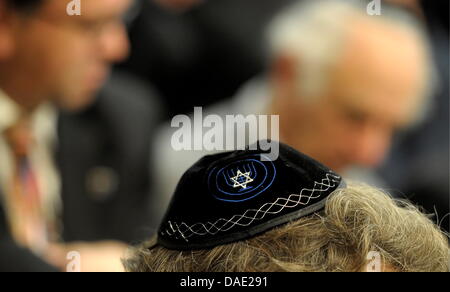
(341, 81)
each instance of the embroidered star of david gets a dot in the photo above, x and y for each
(242, 180)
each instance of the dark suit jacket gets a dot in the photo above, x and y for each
(107, 145)
(103, 159)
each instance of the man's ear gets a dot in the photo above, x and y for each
(287, 101)
(6, 35)
(285, 70)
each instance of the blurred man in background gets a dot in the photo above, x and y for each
(66, 177)
(334, 72)
(355, 79)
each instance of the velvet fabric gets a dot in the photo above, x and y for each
(235, 196)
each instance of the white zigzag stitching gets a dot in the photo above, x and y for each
(202, 229)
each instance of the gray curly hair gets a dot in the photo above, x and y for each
(356, 222)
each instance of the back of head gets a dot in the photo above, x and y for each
(356, 221)
(240, 212)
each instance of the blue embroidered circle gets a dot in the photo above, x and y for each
(242, 180)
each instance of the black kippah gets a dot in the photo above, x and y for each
(235, 196)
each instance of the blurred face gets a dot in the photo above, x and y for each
(64, 58)
(374, 90)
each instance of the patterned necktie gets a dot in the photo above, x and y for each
(26, 214)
